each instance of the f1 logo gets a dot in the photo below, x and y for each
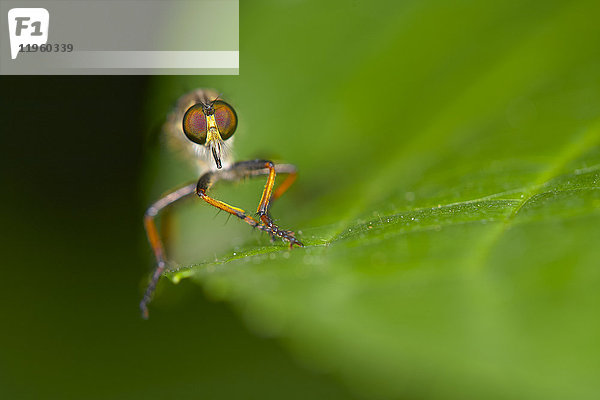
(27, 26)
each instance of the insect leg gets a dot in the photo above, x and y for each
(156, 242)
(236, 172)
(207, 180)
(266, 167)
(290, 171)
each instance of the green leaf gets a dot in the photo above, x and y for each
(449, 194)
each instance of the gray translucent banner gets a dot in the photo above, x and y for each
(127, 37)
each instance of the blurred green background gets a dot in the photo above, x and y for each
(448, 195)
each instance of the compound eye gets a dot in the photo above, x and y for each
(194, 124)
(226, 119)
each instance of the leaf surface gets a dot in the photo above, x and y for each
(449, 194)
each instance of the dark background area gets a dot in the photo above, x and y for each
(75, 259)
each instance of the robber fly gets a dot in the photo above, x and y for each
(202, 124)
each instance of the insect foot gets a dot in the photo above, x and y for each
(272, 229)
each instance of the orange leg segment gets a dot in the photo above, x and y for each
(253, 168)
(156, 243)
(263, 206)
(285, 185)
(235, 172)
